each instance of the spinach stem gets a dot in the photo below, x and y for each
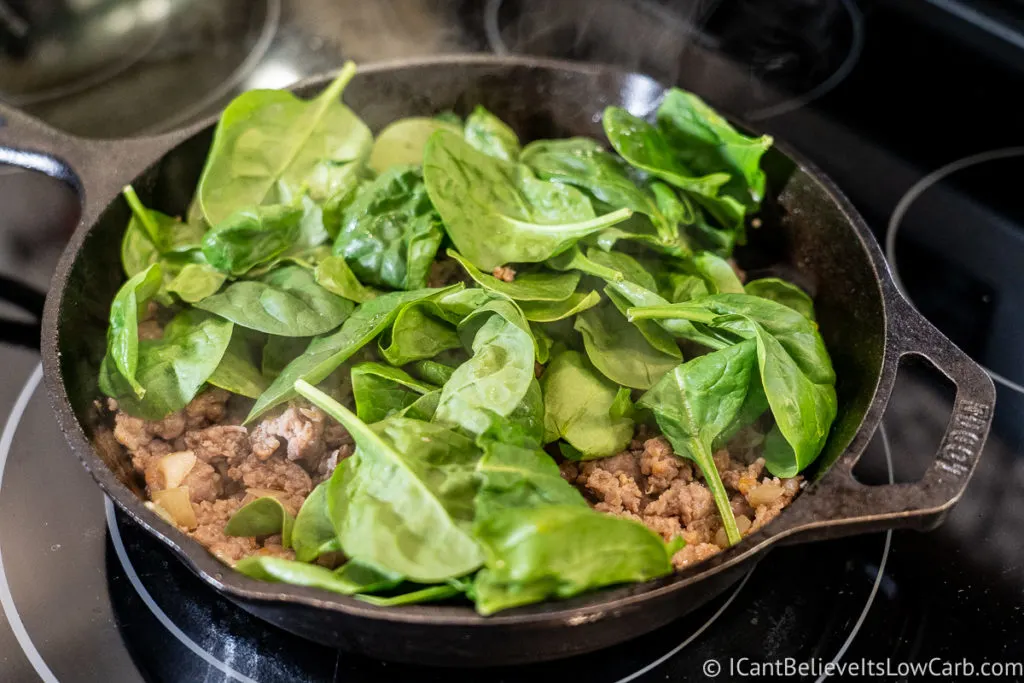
(140, 211)
(706, 462)
(671, 311)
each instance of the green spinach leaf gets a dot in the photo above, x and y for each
(707, 143)
(498, 375)
(420, 331)
(250, 237)
(313, 533)
(262, 517)
(196, 281)
(796, 371)
(492, 136)
(429, 594)
(585, 164)
(516, 477)
(717, 273)
(645, 147)
(696, 403)
(286, 302)
(406, 503)
(380, 390)
(171, 369)
(402, 142)
(345, 580)
(496, 213)
(620, 351)
(550, 311)
(390, 233)
(431, 371)
(238, 371)
(534, 553)
(165, 233)
(324, 354)
(334, 275)
(526, 287)
(782, 292)
(578, 407)
(123, 334)
(269, 143)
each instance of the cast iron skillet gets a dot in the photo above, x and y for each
(808, 225)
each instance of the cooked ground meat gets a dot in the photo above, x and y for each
(649, 483)
(225, 465)
(504, 273)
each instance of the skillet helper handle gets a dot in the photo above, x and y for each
(96, 169)
(839, 505)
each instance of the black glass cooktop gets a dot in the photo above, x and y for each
(907, 105)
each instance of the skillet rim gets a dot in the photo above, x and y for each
(580, 609)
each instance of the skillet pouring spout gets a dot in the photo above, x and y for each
(809, 227)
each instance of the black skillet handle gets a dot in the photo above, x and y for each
(95, 169)
(839, 505)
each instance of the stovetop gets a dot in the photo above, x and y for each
(907, 105)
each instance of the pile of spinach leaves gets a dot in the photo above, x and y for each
(305, 257)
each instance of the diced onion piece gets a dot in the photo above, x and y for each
(174, 467)
(764, 494)
(177, 503)
(160, 512)
(743, 523)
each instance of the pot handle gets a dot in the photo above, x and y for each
(96, 169)
(840, 505)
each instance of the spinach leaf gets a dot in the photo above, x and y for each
(171, 369)
(262, 517)
(380, 390)
(512, 476)
(630, 270)
(402, 141)
(278, 352)
(123, 334)
(524, 426)
(431, 371)
(137, 251)
(585, 164)
(419, 331)
(313, 532)
(286, 302)
(680, 287)
(526, 287)
(252, 236)
(796, 371)
(497, 376)
(324, 354)
(423, 408)
(390, 233)
(165, 233)
(345, 580)
(782, 292)
(698, 401)
(619, 350)
(646, 148)
(196, 281)
(717, 273)
(496, 213)
(334, 275)
(492, 136)
(575, 259)
(429, 594)
(237, 371)
(550, 311)
(268, 144)
(707, 143)
(578, 407)
(534, 553)
(406, 503)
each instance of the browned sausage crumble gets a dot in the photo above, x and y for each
(224, 465)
